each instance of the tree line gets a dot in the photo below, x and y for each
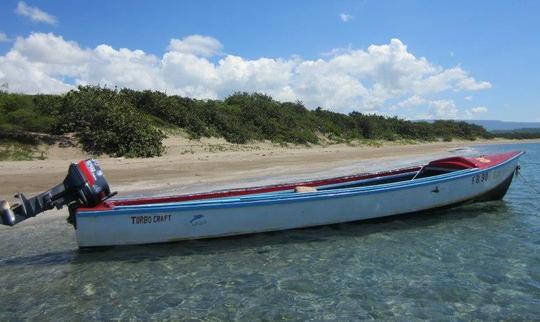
(131, 123)
(519, 134)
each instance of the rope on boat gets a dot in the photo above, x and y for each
(416, 175)
(527, 182)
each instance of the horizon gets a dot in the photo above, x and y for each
(414, 60)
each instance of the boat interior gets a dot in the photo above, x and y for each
(434, 168)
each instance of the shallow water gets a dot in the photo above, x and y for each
(473, 262)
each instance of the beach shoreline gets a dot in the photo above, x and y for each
(215, 164)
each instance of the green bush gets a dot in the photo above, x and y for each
(105, 122)
(16, 152)
(126, 122)
(18, 112)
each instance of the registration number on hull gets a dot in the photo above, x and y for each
(479, 178)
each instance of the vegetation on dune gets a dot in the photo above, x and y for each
(102, 120)
(520, 134)
(244, 117)
(16, 151)
(106, 122)
(130, 123)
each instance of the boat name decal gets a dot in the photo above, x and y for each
(197, 220)
(479, 178)
(150, 219)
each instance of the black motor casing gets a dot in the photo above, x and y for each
(87, 178)
(84, 186)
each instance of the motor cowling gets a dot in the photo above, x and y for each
(84, 186)
(93, 188)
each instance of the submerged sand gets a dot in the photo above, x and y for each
(207, 164)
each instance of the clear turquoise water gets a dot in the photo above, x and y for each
(473, 262)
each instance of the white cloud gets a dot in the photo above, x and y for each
(470, 113)
(468, 98)
(345, 17)
(470, 84)
(432, 109)
(35, 14)
(48, 48)
(453, 78)
(272, 76)
(412, 101)
(443, 109)
(23, 75)
(479, 109)
(338, 51)
(196, 45)
(3, 37)
(439, 109)
(364, 80)
(123, 68)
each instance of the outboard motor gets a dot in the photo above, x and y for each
(84, 186)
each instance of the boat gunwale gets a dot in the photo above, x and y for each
(282, 194)
(321, 195)
(256, 190)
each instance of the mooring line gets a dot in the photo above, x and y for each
(527, 183)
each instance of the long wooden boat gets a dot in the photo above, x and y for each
(440, 183)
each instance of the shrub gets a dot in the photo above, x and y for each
(105, 122)
(126, 122)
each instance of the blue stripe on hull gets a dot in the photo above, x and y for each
(292, 198)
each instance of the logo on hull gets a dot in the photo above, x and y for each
(198, 220)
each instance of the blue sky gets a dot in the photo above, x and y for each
(428, 59)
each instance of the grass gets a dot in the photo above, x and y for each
(15, 151)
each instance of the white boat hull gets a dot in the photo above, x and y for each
(142, 225)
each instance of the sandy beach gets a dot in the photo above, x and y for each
(192, 165)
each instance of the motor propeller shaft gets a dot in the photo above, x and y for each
(8, 216)
(85, 185)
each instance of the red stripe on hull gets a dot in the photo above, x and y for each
(454, 163)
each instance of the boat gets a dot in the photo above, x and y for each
(101, 220)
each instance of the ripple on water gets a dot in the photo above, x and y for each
(474, 262)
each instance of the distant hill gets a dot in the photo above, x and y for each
(525, 133)
(535, 130)
(509, 130)
(492, 125)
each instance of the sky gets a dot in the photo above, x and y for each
(411, 59)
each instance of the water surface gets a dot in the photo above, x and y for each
(479, 261)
